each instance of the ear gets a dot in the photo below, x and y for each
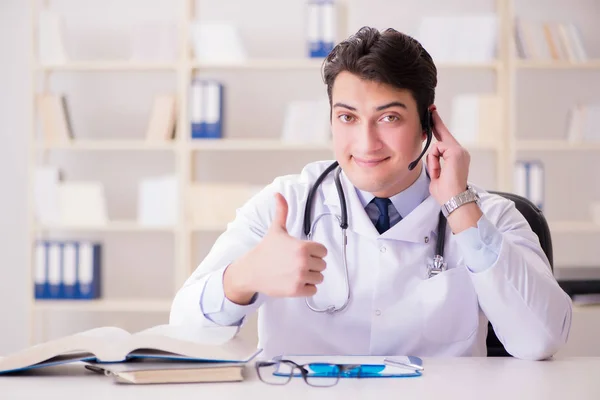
(427, 123)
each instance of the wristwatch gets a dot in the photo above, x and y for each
(468, 196)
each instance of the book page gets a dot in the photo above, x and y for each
(192, 343)
(85, 345)
(201, 335)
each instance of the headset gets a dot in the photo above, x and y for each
(427, 123)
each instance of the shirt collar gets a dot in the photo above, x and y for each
(408, 199)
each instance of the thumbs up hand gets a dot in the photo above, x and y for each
(279, 266)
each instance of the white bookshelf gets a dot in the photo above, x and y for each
(120, 305)
(111, 226)
(107, 66)
(108, 145)
(211, 228)
(528, 64)
(556, 145)
(185, 150)
(262, 64)
(255, 145)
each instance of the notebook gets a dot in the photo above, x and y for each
(111, 344)
(147, 371)
(370, 366)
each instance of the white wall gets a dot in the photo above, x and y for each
(14, 85)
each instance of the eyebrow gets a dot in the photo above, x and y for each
(383, 107)
(344, 106)
(392, 104)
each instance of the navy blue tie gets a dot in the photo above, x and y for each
(383, 222)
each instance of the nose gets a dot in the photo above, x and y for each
(368, 140)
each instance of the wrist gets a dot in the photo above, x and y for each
(464, 217)
(236, 285)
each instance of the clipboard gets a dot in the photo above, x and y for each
(366, 366)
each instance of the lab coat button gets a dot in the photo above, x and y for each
(377, 312)
(382, 249)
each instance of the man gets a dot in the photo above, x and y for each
(381, 88)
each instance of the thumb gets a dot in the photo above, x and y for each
(281, 212)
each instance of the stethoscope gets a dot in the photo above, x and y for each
(437, 266)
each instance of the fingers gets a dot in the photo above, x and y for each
(315, 249)
(313, 278)
(440, 131)
(308, 291)
(433, 162)
(316, 264)
(281, 212)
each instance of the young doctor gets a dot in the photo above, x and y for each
(374, 288)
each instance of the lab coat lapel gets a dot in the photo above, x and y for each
(417, 225)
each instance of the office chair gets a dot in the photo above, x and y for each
(538, 224)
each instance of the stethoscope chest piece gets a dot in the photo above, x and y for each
(437, 266)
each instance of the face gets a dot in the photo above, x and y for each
(376, 133)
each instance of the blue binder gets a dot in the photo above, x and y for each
(67, 270)
(41, 270)
(529, 181)
(207, 109)
(321, 27)
(88, 270)
(54, 270)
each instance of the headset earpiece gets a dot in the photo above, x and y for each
(427, 124)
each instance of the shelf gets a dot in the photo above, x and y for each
(263, 64)
(103, 305)
(468, 65)
(573, 227)
(112, 226)
(532, 64)
(556, 145)
(253, 144)
(108, 66)
(316, 63)
(209, 228)
(480, 146)
(108, 145)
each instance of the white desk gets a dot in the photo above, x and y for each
(456, 378)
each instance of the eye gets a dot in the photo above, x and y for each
(345, 118)
(390, 118)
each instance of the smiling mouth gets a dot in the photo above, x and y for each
(369, 162)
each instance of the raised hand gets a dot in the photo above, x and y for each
(279, 266)
(448, 164)
(448, 177)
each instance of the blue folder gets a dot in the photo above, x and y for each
(207, 109)
(370, 366)
(67, 269)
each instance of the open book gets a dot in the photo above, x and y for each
(110, 344)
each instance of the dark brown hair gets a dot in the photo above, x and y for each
(389, 57)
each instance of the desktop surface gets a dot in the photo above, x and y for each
(443, 378)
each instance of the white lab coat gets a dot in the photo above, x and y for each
(394, 308)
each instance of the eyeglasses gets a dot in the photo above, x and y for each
(280, 372)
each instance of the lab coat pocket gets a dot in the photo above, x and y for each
(448, 306)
